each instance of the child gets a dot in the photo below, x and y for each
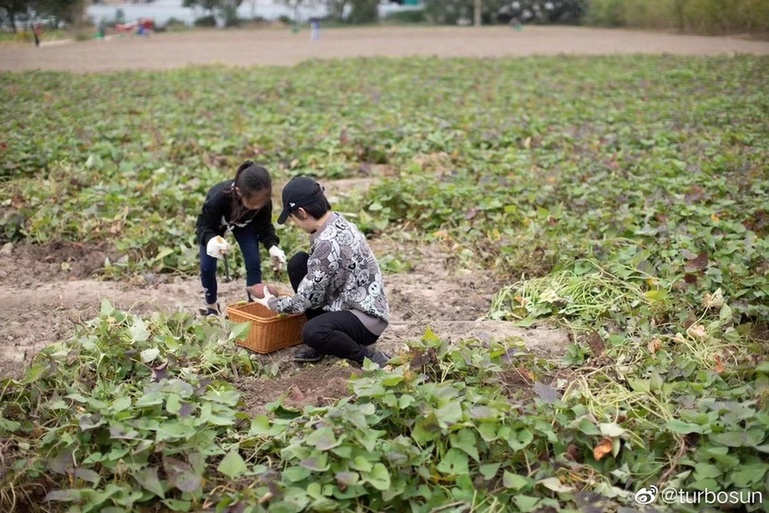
(244, 207)
(338, 284)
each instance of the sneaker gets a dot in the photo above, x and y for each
(378, 357)
(307, 355)
(206, 312)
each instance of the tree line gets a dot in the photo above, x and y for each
(14, 11)
(706, 16)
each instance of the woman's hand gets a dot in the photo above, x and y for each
(264, 300)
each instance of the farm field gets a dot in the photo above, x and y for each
(575, 249)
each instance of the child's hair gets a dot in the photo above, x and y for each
(251, 179)
(316, 208)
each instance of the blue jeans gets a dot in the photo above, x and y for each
(249, 246)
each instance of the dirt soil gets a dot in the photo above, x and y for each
(47, 290)
(282, 47)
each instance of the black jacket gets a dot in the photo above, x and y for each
(217, 216)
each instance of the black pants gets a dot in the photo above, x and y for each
(340, 334)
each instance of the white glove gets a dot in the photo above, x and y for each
(277, 258)
(218, 247)
(264, 301)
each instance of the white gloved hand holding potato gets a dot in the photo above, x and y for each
(277, 258)
(217, 247)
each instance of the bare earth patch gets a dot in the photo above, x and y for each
(45, 297)
(281, 47)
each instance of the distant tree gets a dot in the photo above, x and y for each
(227, 9)
(502, 11)
(336, 8)
(543, 11)
(12, 9)
(296, 4)
(448, 11)
(70, 11)
(364, 11)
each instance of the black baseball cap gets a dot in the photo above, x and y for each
(299, 192)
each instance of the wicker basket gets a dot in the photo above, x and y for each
(269, 331)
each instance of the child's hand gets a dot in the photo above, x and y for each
(277, 258)
(218, 247)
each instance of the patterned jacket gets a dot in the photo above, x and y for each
(342, 274)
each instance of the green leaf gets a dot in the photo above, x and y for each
(148, 355)
(148, 479)
(33, 374)
(488, 431)
(162, 253)
(749, 438)
(173, 403)
(240, 331)
(706, 470)
(361, 463)
(347, 478)
(62, 496)
(679, 426)
(489, 470)
(426, 429)
(174, 430)
(9, 426)
(106, 308)
(586, 426)
(464, 439)
(611, 430)
(514, 481)
(519, 440)
(379, 477)
(720, 455)
(749, 476)
(296, 474)
(554, 484)
(639, 385)
(316, 463)
(181, 475)
(526, 322)
(526, 503)
(450, 413)
(656, 295)
(392, 379)
(177, 505)
(454, 463)
(87, 475)
(260, 425)
(121, 403)
(232, 465)
(139, 333)
(323, 439)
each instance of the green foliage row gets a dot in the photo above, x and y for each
(134, 414)
(702, 16)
